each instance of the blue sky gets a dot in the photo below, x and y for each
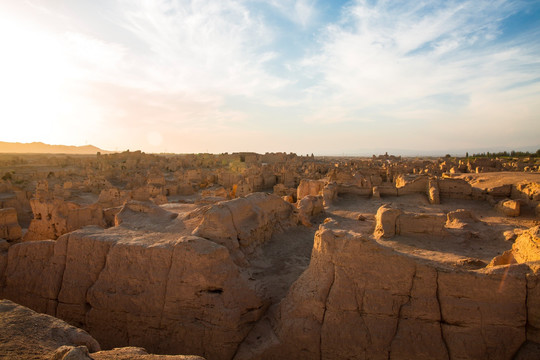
(340, 77)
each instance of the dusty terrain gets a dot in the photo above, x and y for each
(250, 256)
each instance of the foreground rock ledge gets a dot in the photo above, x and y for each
(26, 334)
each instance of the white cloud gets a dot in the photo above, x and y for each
(207, 71)
(409, 61)
(95, 59)
(300, 12)
(173, 67)
(305, 11)
(202, 46)
(192, 53)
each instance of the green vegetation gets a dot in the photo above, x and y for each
(512, 153)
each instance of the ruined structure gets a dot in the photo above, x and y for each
(248, 256)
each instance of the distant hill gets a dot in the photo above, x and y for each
(41, 148)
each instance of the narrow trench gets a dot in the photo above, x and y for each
(281, 261)
(275, 267)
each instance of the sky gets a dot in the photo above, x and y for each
(303, 76)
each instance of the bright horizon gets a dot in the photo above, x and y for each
(271, 76)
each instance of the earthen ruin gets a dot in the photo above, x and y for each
(269, 256)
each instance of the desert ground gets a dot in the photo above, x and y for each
(268, 256)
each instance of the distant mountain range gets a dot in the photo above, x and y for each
(41, 148)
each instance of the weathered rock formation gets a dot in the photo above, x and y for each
(309, 206)
(329, 193)
(433, 192)
(526, 248)
(360, 299)
(18, 200)
(460, 218)
(190, 276)
(386, 219)
(243, 224)
(174, 295)
(510, 208)
(455, 188)
(54, 217)
(9, 226)
(113, 197)
(309, 187)
(390, 222)
(28, 335)
(137, 353)
(144, 283)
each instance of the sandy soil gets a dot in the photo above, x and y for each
(471, 246)
(490, 180)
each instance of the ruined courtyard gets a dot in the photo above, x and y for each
(269, 256)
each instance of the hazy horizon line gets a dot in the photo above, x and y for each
(350, 153)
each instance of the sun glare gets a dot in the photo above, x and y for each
(34, 72)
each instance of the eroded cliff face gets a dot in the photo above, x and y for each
(165, 292)
(54, 217)
(148, 281)
(184, 282)
(9, 226)
(244, 224)
(361, 300)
